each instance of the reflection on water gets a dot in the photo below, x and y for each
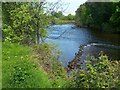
(70, 38)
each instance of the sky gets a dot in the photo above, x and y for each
(71, 4)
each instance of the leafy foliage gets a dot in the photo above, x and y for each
(58, 14)
(24, 22)
(115, 18)
(99, 15)
(68, 17)
(59, 18)
(99, 73)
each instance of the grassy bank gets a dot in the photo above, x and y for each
(22, 69)
(60, 21)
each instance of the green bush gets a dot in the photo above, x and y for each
(100, 73)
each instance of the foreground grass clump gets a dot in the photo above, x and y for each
(99, 73)
(19, 71)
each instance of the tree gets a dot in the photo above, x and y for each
(40, 20)
(98, 15)
(81, 15)
(58, 14)
(27, 22)
(115, 18)
(70, 17)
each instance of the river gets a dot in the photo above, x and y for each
(69, 38)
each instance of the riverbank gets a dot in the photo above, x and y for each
(36, 67)
(60, 22)
(31, 67)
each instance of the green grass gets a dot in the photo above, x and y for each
(19, 71)
(31, 67)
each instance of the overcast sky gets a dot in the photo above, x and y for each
(73, 5)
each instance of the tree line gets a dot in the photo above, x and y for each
(60, 15)
(104, 16)
(58, 18)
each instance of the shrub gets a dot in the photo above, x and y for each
(100, 73)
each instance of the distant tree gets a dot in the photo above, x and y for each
(58, 14)
(70, 17)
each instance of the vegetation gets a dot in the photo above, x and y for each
(18, 70)
(100, 73)
(61, 21)
(31, 67)
(59, 18)
(28, 66)
(99, 15)
(24, 22)
(28, 62)
(37, 67)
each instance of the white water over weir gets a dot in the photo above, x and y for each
(94, 49)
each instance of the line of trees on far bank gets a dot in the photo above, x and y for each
(59, 18)
(104, 16)
(60, 15)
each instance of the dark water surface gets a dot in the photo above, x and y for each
(69, 38)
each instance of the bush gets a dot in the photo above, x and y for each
(100, 73)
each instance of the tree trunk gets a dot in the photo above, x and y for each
(37, 33)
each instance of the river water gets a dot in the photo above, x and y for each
(69, 38)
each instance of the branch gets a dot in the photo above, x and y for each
(61, 34)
